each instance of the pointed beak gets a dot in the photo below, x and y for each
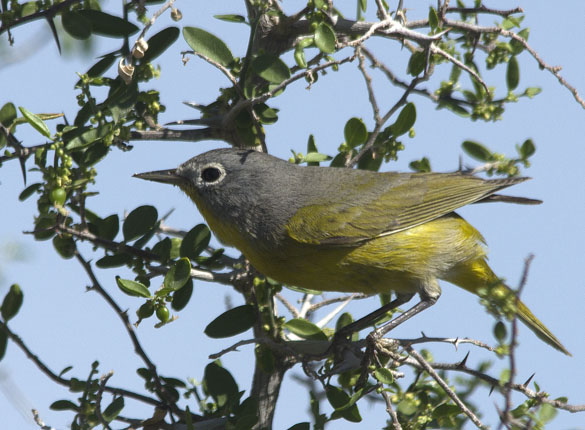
(169, 176)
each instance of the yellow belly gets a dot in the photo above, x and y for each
(399, 262)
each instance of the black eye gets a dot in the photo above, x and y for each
(210, 174)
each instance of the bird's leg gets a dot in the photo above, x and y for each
(356, 326)
(373, 338)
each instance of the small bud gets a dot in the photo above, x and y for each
(176, 14)
(140, 48)
(125, 71)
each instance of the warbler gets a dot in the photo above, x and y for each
(340, 229)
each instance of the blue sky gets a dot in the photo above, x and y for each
(67, 326)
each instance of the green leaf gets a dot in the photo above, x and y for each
(305, 329)
(182, 296)
(369, 162)
(325, 38)
(423, 165)
(178, 274)
(342, 404)
(78, 26)
(83, 139)
(532, 91)
(232, 322)
(64, 405)
(300, 58)
(301, 426)
(220, 384)
(109, 227)
(208, 45)
(231, 18)
(517, 46)
(12, 302)
(512, 74)
(405, 120)
(139, 222)
(384, 375)
(101, 66)
(266, 114)
(132, 288)
(313, 158)
(3, 343)
(163, 249)
(37, 123)
(433, 18)
(113, 409)
(160, 42)
(270, 68)
(500, 331)
(116, 260)
(445, 410)
(407, 407)
(28, 191)
(65, 246)
(108, 25)
(416, 63)
(477, 150)
(363, 5)
(527, 149)
(355, 132)
(195, 241)
(7, 114)
(547, 412)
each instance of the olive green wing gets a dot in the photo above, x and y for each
(391, 203)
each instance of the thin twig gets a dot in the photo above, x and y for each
(96, 286)
(154, 17)
(288, 305)
(505, 416)
(98, 401)
(395, 423)
(49, 13)
(327, 302)
(64, 381)
(484, 9)
(429, 369)
(40, 422)
(370, 88)
(455, 341)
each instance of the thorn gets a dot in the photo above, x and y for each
(423, 334)
(491, 390)
(464, 361)
(456, 345)
(529, 379)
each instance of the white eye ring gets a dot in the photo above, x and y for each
(211, 174)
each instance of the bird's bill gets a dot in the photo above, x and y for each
(169, 176)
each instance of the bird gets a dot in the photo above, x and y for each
(350, 230)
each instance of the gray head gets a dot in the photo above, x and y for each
(249, 189)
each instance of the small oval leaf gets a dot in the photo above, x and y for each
(78, 26)
(195, 241)
(271, 68)
(325, 38)
(208, 45)
(355, 132)
(305, 329)
(160, 42)
(132, 288)
(139, 222)
(384, 375)
(28, 191)
(178, 274)
(64, 405)
(512, 74)
(182, 296)
(7, 114)
(113, 409)
(405, 120)
(108, 25)
(12, 302)
(37, 123)
(232, 322)
(477, 151)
